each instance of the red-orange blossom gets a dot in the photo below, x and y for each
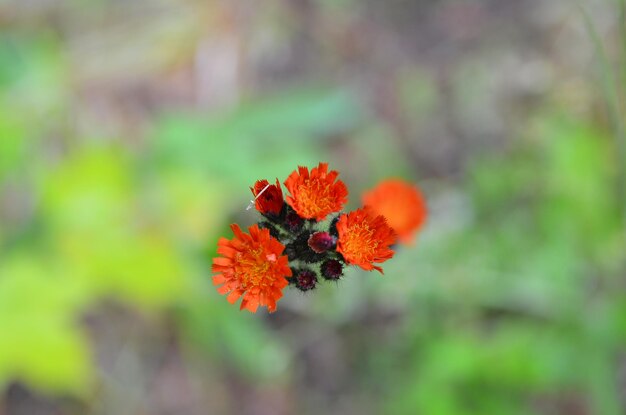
(364, 238)
(252, 266)
(316, 194)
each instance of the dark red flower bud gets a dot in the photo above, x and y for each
(268, 197)
(293, 221)
(321, 242)
(332, 270)
(305, 279)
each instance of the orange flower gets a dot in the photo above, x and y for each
(251, 266)
(401, 203)
(364, 238)
(315, 195)
(269, 197)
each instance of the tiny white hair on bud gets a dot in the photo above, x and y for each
(251, 204)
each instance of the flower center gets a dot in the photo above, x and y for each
(358, 242)
(253, 267)
(314, 196)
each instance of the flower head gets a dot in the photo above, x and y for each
(251, 265)
(401, 203)
(316, 194)
(364, 238)
(269, 197)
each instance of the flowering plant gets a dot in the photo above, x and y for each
(305, 237)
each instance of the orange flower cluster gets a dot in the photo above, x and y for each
(306, 237)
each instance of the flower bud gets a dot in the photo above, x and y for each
(293, 222)
(305, 279)
(321, 242)
(332, 269)
(268, 197)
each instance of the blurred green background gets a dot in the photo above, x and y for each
(130, 132)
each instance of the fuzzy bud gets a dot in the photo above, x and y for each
(332, 269)
(293, 222)
(305, 279)
(321, 242)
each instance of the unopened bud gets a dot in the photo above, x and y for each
(321, 242)
(305, 279)
(332, 269)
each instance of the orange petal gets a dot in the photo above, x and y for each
(222, 261)
(219, 279)
(271, 306)
(234, 296)
(226, 250)
(223, 289)
(250, 303)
